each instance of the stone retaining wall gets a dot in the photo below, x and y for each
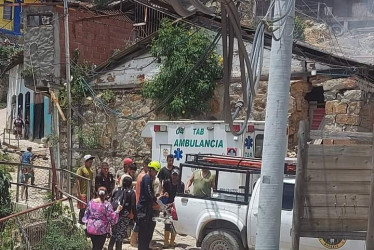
(347, 109)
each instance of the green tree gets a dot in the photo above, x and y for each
(178, 48)
(5, 178)
(299, 29)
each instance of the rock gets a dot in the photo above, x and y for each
(354, 107)
(348, 119)
(292, 105)
(300, 87)
(354, 95)
(330, 107)
(135, 97)
(341, 108)
(335, 107)
(126, 111)
(140, 125)
(339, 84)
(329, 95)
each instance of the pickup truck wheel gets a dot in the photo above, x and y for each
(221, 240)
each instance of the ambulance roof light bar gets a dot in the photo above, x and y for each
(251, 128)
(160, 128)
(236, 128)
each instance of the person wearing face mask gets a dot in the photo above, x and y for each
(98, 217)
(105, 179)
(124, 196)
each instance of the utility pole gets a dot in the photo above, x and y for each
(271, 190)
(68, 89)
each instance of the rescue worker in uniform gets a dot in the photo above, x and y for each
(144, 207)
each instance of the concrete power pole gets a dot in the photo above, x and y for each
(68, 89)
(270, 200)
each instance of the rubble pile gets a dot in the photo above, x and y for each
(316, 33)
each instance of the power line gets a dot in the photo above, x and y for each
(160, 105)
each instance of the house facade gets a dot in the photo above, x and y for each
(93, 35)
(26, 103)
(11, 16)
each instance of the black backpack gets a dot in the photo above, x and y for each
(122, 196)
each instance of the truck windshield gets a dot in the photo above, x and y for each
(218, 184)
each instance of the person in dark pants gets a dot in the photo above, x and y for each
(125, 196)
(169, 191)
(18, 125)
(144, 207)
(165, 172)
(105, 179)
(83, 185)
(98, 217)
(26, 158)
(27, 127)
(134, 234)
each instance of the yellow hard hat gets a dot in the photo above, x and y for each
(155, 165)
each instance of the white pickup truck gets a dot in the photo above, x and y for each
(228, 218)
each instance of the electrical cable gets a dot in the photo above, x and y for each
(167, 98)
(250, 67)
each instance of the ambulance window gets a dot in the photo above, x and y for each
(259, 141)
(288, 194)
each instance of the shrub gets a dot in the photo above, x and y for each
(178, 48)
(299, 29)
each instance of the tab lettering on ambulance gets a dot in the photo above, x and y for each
(187, 143)
(332, 243)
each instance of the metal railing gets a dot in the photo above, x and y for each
(67, 183)
(7, 138)
(42, 190)
(33, 228)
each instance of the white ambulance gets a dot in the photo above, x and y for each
(204, 137)
(207, 137)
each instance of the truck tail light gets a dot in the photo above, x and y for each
(290, 169)
(174, 215)
(251, 128)
(160, 128)
(236, 128)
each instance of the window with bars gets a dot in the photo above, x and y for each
(39, 20)
(7, 11)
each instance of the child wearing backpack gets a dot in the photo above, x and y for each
(124, 195)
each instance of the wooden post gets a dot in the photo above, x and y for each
(18, 177)
(55, 101)
(72, 211)
(54, 175)
(370, 230)
(302, 159)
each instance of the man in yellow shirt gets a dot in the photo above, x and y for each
(203, 182)
(84, 185)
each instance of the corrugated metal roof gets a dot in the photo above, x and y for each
(120, 15)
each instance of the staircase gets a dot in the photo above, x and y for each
(317, 117)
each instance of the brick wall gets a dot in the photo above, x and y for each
(95, 37)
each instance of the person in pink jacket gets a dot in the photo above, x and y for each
(99, 216)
